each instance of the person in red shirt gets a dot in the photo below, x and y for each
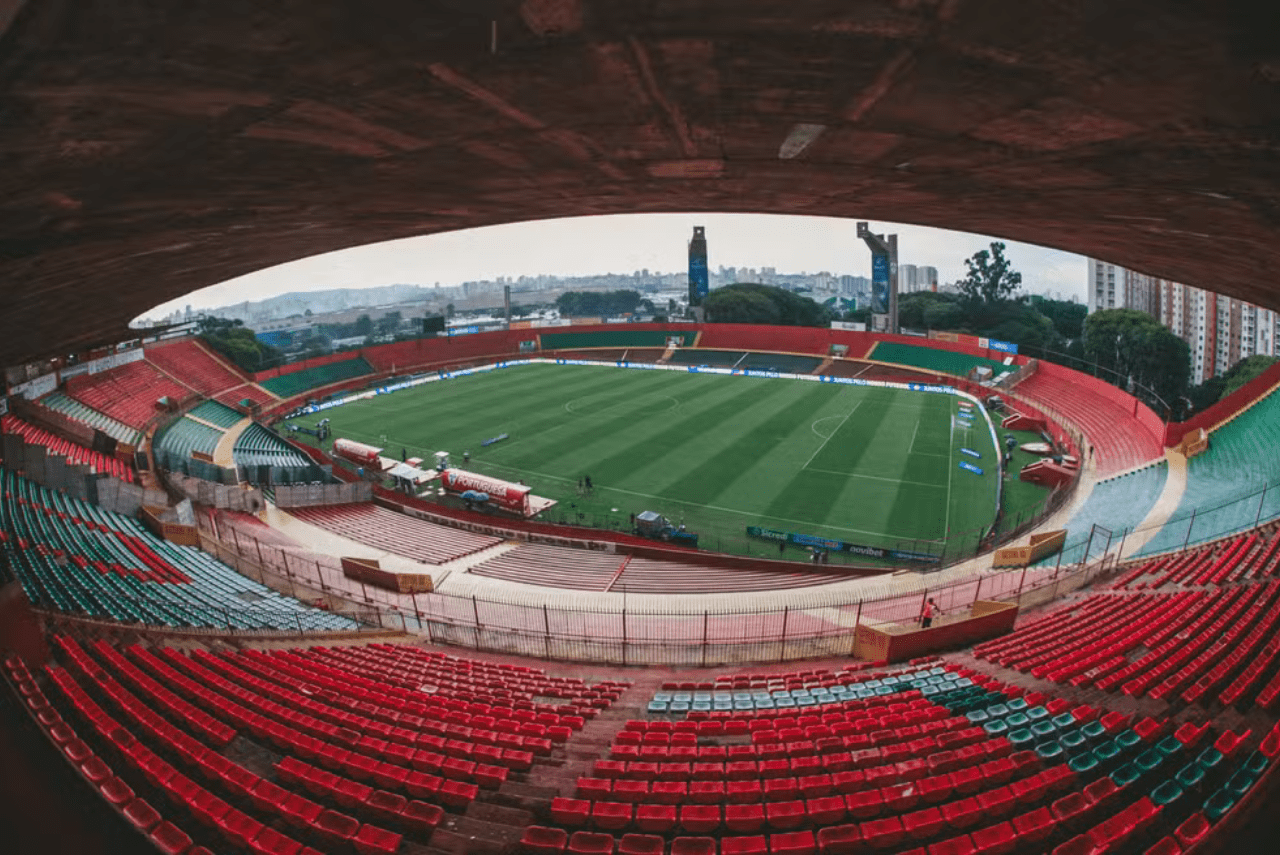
(926, 616)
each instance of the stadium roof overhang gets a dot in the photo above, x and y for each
(149, 150)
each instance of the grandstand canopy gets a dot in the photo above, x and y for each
(153, 149)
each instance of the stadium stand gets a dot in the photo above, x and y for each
(604, 354)
(75, 557)
(128, 393)
(812, 340)
(249, 391)
(1217, 642)
(933, 359)
(1120, 440)
(927, 756)
(716, 358)
(615, 338)
(363, 761)
(553, 566)
(183, 436)
(73, 452)
(784, 363)
(1116, 504)
(396, 533)
(651, 576)
(258, 446)
(215, 413)
(1239, 462)
(72, 408)
(194, 366)
(297, 382)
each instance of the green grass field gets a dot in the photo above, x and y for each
(865, 465)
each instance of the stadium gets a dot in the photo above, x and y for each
(647, 589)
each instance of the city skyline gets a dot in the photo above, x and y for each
(623, 243)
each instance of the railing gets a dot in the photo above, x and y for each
(626, 630)
(1201, 525)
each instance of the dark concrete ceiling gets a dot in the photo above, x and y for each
(149, 149)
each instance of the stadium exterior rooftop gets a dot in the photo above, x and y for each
(151, 153)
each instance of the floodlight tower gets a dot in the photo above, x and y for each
(698, 276)
(884, 279)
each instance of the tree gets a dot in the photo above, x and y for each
(364, 326)
(238, 343)
(448, 311)
(1137, 349)
(1218, 387)
(597, 303)
(990, 277)
(752, 303)
(1067, 317)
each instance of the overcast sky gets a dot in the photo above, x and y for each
(624, 243)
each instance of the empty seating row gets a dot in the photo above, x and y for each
(934, 359)
(1199, 646)
(234, 803)
(653, 576)
(833, 691)
(248, 392)
(784, 363)
(216, 414)
(1036, 774)
(84, 414)
(1118, 505)
(257, 446)
(1118, 439)
(395, 532)
(73, 452)
(297, 382)
(1227, 484)
(182, 438)
(128, 393)
(554, 566)
(75, 557)
(194, 366)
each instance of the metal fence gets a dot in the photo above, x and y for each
(1202, 524)
(623, 631)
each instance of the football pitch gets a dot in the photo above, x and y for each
(865, 465)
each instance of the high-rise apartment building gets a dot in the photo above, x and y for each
(1114, 287)
(1220, 330)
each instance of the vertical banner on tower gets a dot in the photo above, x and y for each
(879, 284)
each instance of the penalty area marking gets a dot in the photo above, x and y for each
(877, 478)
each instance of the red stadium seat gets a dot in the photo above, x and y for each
(655, 819)
(641, 844)
(792, 843)
(610, 816)
(753, 845)
(744, 819)
(539, 840)
(700, 819)
(692, 846)
(590, 843)
(840, 839)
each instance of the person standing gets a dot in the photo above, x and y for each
(926, 616)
